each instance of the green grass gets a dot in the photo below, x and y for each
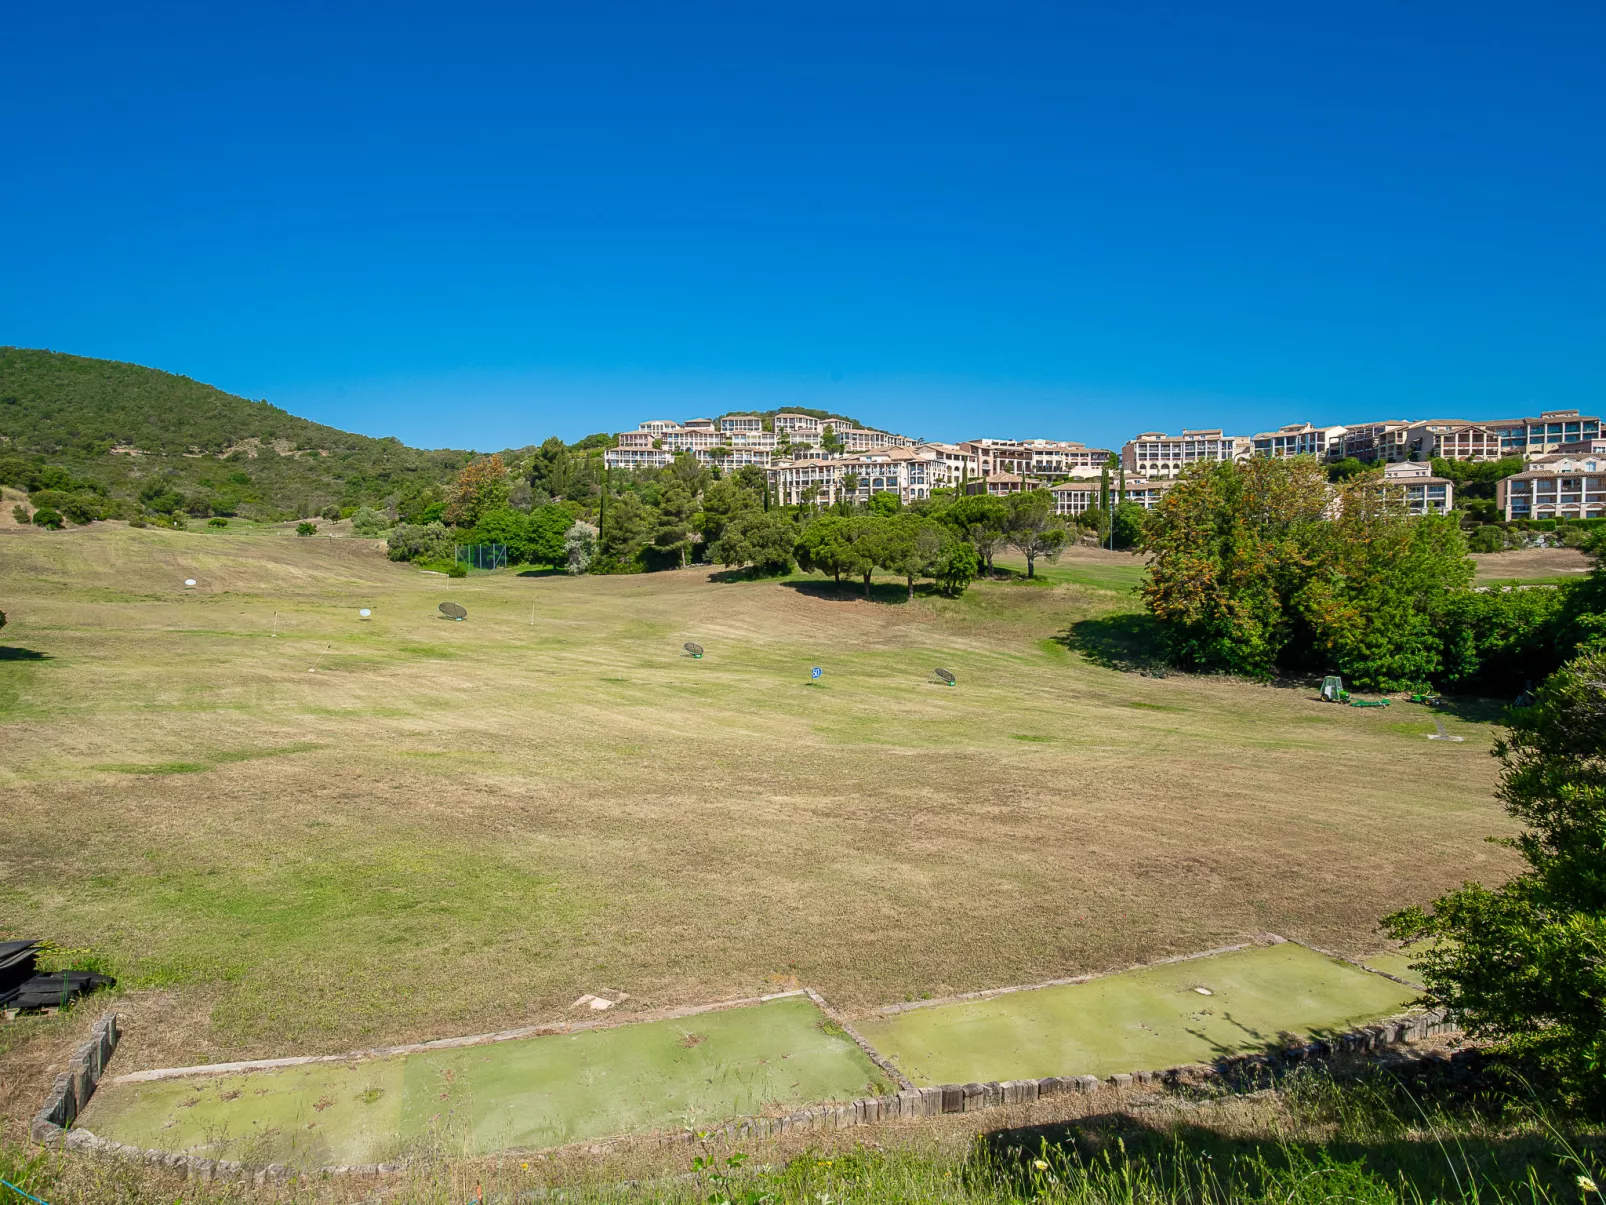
(1148, 1019)
(519, 1094)
(460, 828)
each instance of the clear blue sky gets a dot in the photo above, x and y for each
(473, 225)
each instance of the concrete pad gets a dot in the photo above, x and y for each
(1137, 1020)
(530, 1092)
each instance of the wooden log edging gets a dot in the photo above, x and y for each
(907, 1104)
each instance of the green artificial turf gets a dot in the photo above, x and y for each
(1138, 1020)
(530, 1092)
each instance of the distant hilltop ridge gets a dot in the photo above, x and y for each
(131, 436)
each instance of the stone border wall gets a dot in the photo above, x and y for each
(53, 1125)
(72, 1089)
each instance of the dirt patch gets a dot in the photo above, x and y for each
(1532, 562)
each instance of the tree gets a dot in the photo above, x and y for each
(677, 508)
(626, 528)
(45, 517)
(580, 546)
(830, 440)
(505, 526)
(1227, 543)
(481, 486)
(547, 534)
(884, 503)
(957, 567)
(762, 539)
(827, 546)
(369, 522)
(420, 542)
(723, 501)
(1524, 965)
(1376, 595)
(1033, 529)
(909, 545)
(551, 468)
(1126, 525)
(981, 519)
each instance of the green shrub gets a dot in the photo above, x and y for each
(20, 513)
(305, 528)
(369, 522)
(457, 570)
(218, 521)
(332, 513)
(138, 521)
(422, 542)
(1487, 538)
(45, 517)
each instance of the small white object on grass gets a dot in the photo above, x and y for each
(364, 613)
(189, 581)
(1204, 991)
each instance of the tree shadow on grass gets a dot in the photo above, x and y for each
(547, 571)
(9, 653)
(1123, 642)
(895, 593)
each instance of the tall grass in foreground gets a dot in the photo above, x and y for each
(1313, 1141)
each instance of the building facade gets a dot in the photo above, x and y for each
(909, 473)
(1413, 484)
(1299, 439)
(1451, 439)
(1545, 434)
(1555, 487)
(1155, 454)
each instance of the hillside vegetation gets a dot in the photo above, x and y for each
(115, 440)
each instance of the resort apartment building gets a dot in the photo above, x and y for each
(1451, 439)
(1413, 483)
(1155, 454)
(1544, 434)
(736, 440)
(908, 472)
(1079, 497)
(1299, 439)
(1555, 487)
(1376, 441)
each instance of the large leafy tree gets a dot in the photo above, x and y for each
(1228, 548)
(981, 519)
(676, 513)
(481, 486)
(764, 540)
(1381, 585)
(1524, 965)
(723, 501)
(909, 545)
(1033, 529)
(827, 546)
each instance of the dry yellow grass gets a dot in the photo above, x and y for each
(455, 827)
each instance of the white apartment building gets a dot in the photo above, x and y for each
(1555, 487)
(1544, 434)
(1299, 439)
(907, 472)
(962, 465)
(808, 429)
(1451, 439)
(1155, 454)
(1079, 497)
(731, 442)
(1413, 483)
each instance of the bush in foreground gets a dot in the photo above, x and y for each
(1524, 965)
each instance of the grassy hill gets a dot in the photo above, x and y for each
(141, 440)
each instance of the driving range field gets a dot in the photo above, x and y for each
(290, 831)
